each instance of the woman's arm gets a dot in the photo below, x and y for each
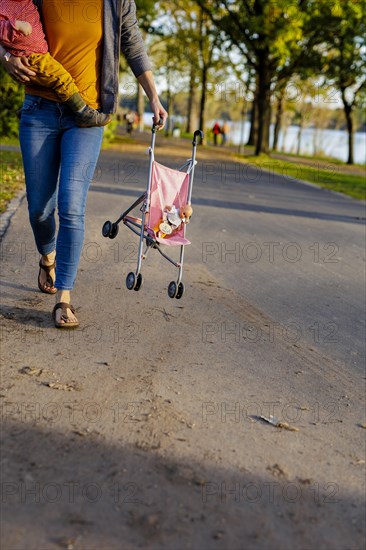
(133, 48)
(146, 80)
(16, 66)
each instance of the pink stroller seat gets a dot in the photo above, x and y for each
(168, 187)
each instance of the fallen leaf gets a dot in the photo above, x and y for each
(31, 371)
(358, 462)
(277, 423)
(277, 470)
(66, 542)
(65, 387)
(286, 426)
(306, 481)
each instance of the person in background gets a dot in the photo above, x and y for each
(130, 119)
(60, 157)
(224, 132)
(216, 131)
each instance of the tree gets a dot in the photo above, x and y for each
(181, 36)
(269, 34)
(280, 99)
(192, 53)
(146, 12)
(209, 38)
(343, 53)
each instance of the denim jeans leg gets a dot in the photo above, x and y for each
(59, 161)
(39, 137)
(79, 154)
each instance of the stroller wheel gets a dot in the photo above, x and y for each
(110, 230)
(114, 231)
(172, 289)
(131, 280)
(180, 291)
(107, 228)
(139, 282)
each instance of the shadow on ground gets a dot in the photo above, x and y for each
(75, 490)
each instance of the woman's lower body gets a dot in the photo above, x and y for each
(59, 161)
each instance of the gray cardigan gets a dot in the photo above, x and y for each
(120, 34)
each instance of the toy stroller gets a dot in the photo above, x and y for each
(165, 211)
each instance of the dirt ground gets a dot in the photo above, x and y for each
(147, 427)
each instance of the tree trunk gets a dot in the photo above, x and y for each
(267, 122)
(191, 99)
(263, 104)
(202, 117)
(253, 124)
(285, 132)
(278, 121)
(140, 107)
(242, 126)
(299, 135)
(349, 118)
(169, 101)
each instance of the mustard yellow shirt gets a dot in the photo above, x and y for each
(74, 31)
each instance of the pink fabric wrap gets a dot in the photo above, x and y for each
(168, 187)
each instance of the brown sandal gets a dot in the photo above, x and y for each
(64, 306)
(47, 268)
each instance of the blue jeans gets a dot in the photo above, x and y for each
(59, 161)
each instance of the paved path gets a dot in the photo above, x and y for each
(143, 425)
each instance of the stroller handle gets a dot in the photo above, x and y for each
(195, 135)
(156, 125)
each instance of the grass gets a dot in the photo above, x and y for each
(5, 140)
(122, 140)
(334, 178)
(12, 177)
(11, 168)
(322, 158)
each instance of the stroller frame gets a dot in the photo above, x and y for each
(139, 227)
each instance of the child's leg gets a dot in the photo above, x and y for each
(51, 74)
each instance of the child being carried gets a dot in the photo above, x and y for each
(27, 39)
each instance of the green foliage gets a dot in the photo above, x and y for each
(146, 12)
(11, 99)
(342, 28)
(273, 28)
(12, 177)
(110, 132)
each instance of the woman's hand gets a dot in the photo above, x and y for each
(160, 115)
(17, 67)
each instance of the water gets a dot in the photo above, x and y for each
(331, 143)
